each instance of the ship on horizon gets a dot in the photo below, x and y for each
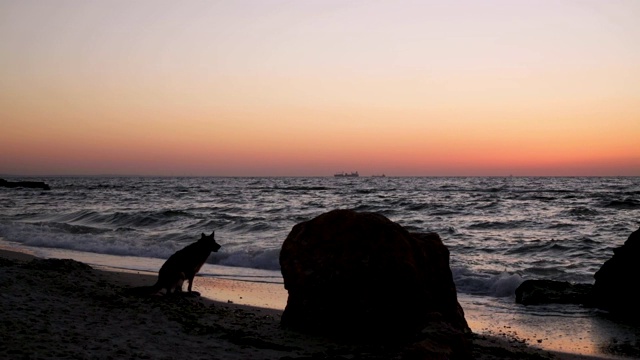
(344, 174)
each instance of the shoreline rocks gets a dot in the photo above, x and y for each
(615, 290)
(535, 292)
(24, 184)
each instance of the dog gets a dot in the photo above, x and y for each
(182, 265)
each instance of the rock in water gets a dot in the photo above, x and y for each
(24, 184)
(360, 274)
(618, 281)
(534, 292)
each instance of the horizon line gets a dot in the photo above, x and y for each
(311, 176)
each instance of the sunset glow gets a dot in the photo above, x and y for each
(309, 88)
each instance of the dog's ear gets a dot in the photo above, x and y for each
(212, 233)
(203, 235)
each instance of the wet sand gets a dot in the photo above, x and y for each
(75, 311)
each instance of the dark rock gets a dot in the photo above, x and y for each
(618, 280)
(534, 292)
(24, 184)
(359, 274)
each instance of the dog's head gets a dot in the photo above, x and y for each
(210, 242)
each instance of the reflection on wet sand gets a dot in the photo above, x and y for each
(569, 329)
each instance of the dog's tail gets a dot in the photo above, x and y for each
(144, 290)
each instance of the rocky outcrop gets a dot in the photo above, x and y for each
(535, 292)
(360, 274)
(24, 184)
(618, 281)
(615, 290)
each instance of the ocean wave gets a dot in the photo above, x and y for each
(418, 206)
(500, 225)
(625, 204)
(78, 217)
(214, 223)
(560, 225)
(176, 213)
(537, 197)
(365, 208)
(300, 188)
(366, 191)
(121, 243)
(502, 284)
(74, 229)
(137, 219)
(491, 205)
(537, 246)
(52, 235)
(266, 259)
(543, 271)
(445, 212)
(133, 219)
(248, 227)
(582, 211)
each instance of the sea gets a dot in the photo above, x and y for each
(500, 231)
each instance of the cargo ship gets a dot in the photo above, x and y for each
(344, 174)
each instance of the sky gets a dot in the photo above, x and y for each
(315, 87)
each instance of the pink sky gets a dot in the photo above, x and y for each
(310, 88)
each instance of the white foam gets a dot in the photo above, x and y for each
(132, 244)
(146, 264)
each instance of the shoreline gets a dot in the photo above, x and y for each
(235, 319)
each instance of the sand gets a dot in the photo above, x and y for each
(66, 309)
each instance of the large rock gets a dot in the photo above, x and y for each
(618, 281)
(358, 273)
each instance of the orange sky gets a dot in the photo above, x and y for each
(281, 88)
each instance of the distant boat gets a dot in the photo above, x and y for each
(383, 175)
(344, 174)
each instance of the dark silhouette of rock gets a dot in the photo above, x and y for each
(358, 274)
(534, 292)
(618, 281)
(24, 184)
(616, 286)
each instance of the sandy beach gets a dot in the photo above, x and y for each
(55, 309)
